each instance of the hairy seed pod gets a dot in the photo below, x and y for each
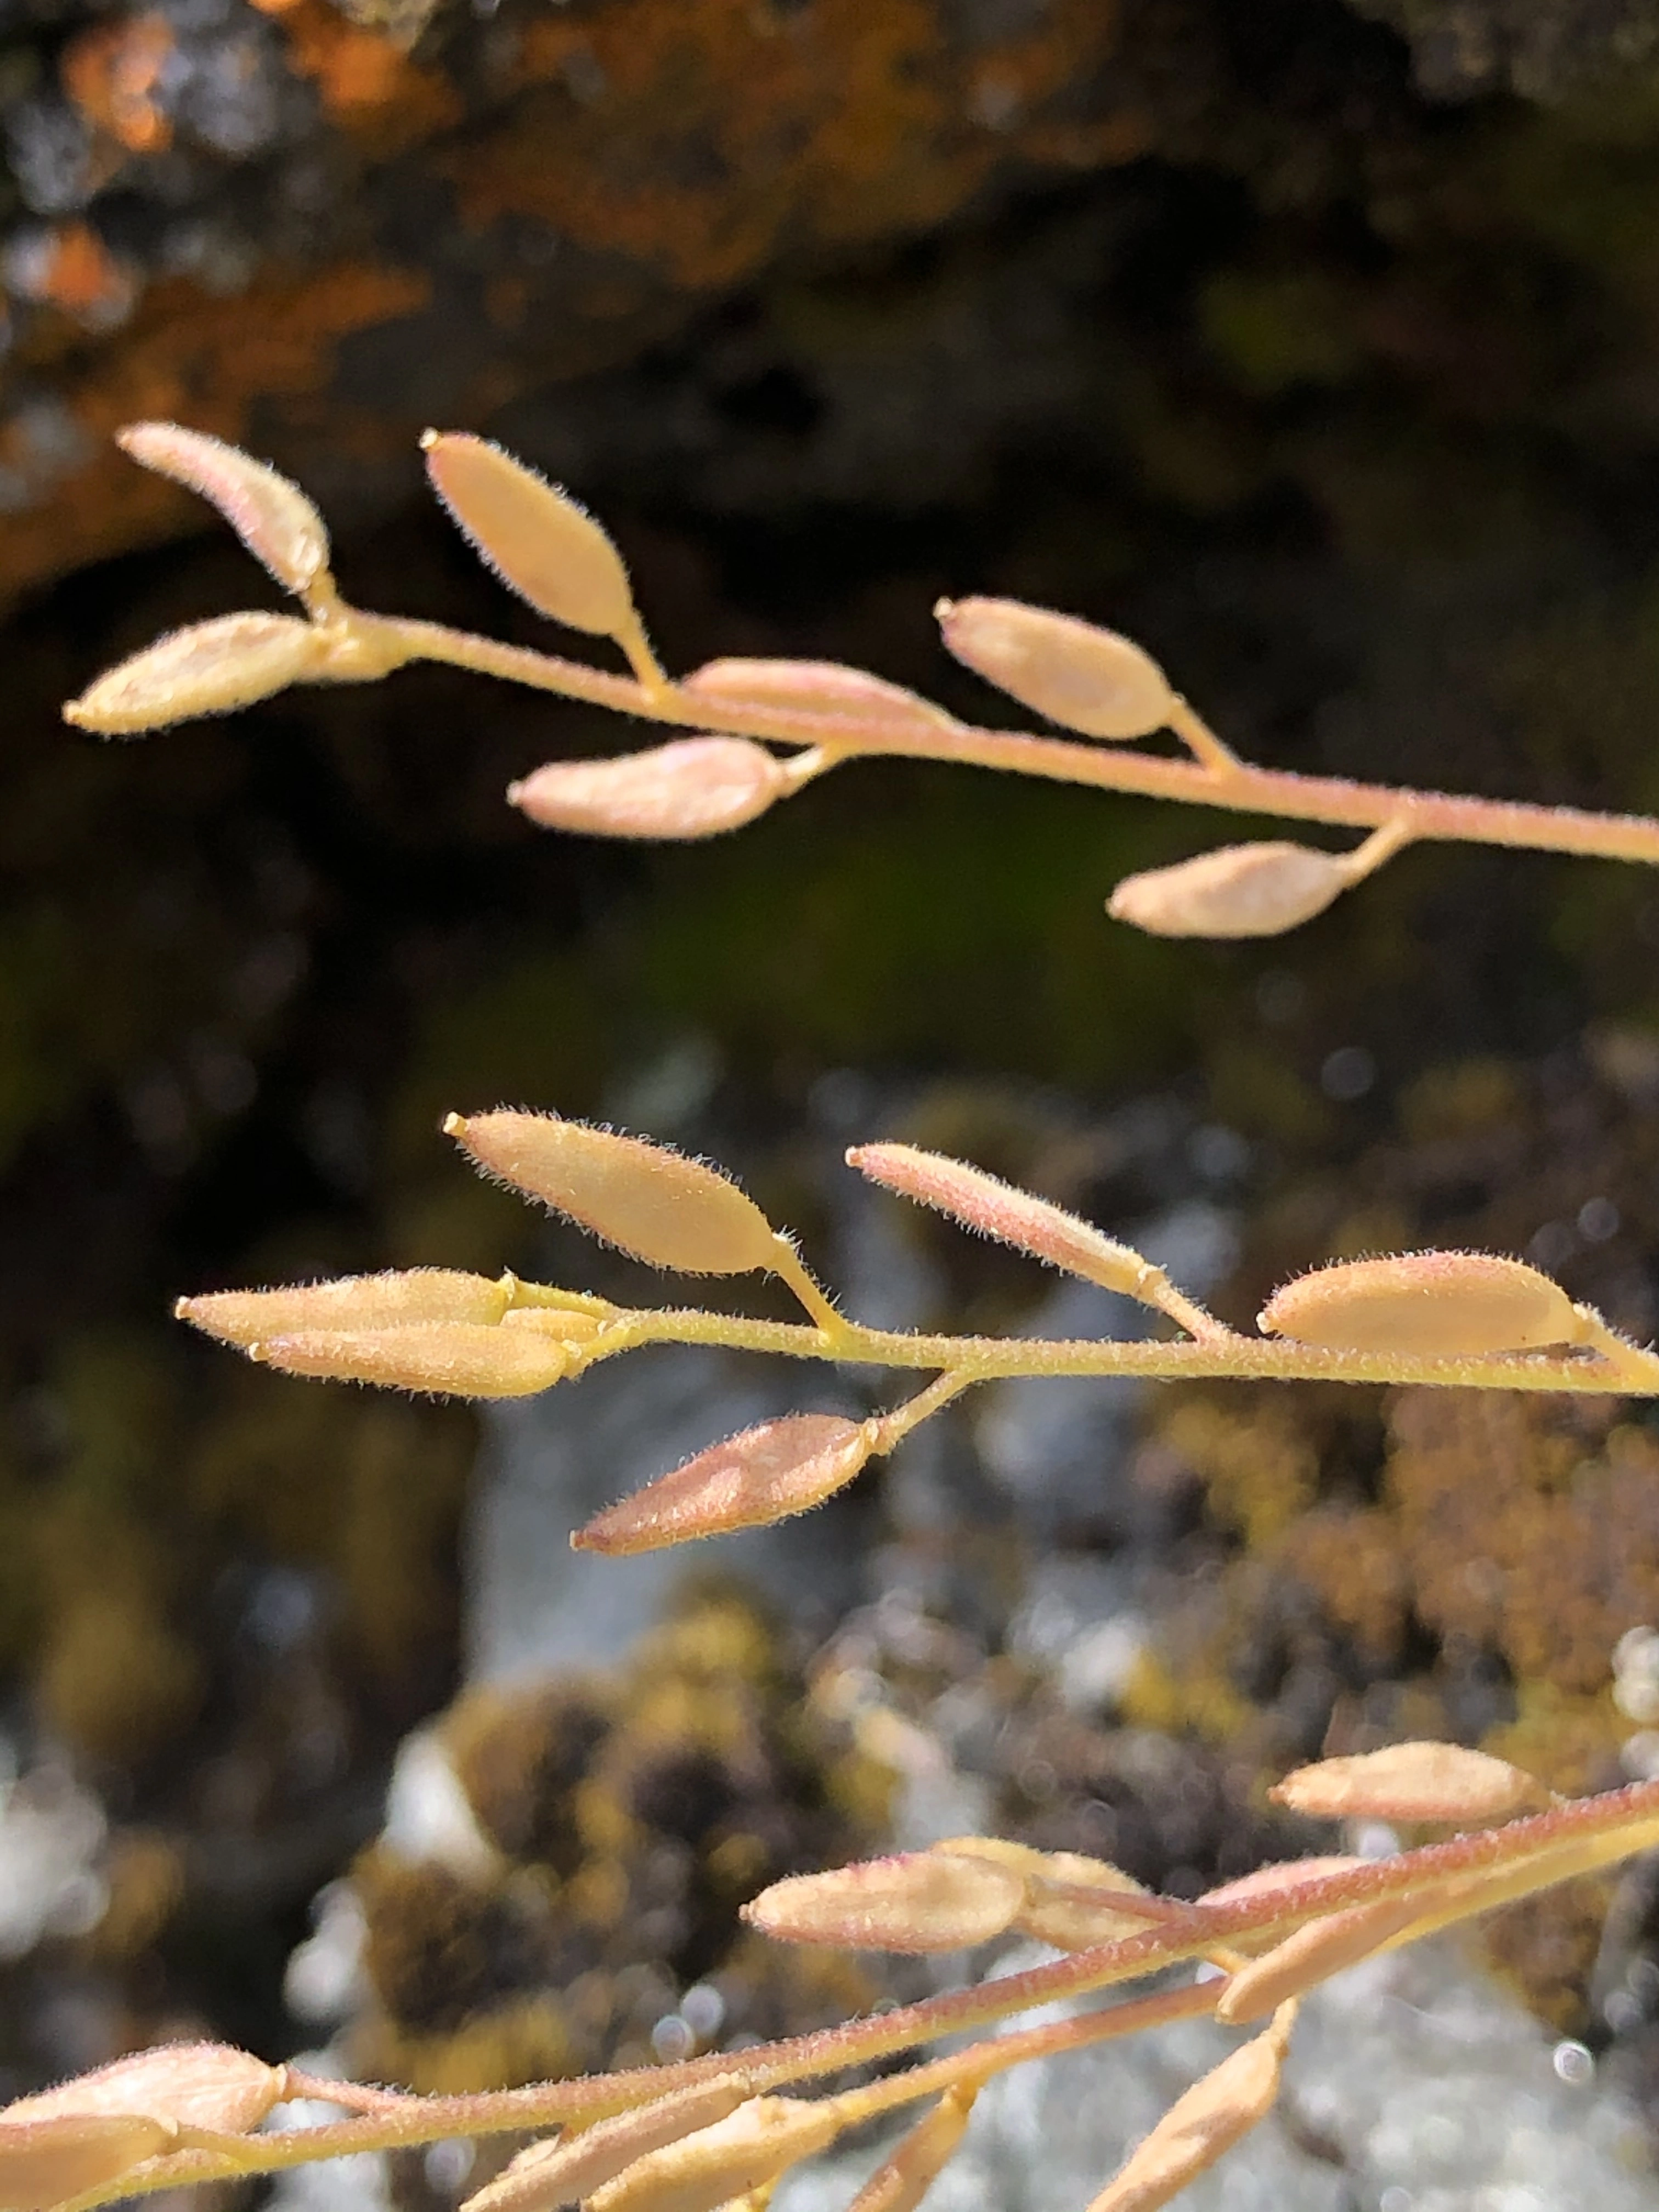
(388, 1301)
(904, 2179)
(549, 2174)
(1240, 890)
(1214, 2114)
(1284, 1874)
(1071, 1902)
(654, 1204)
(1083, 678)
(44, 2162)
(763, 1475)
(762, 2139)
(272, 517)
(535, 538)
(211, 668)
(198, 2085)
(453, 1358)
(917, 1901)
(1412, 1782)
(695, 788)
(998, 1209)
(812, 687)
(1313, 1953)
(1426, 1303)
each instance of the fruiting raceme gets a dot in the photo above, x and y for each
(1241, 891)
(812, 687)
(1413, 1782)
(1430, 1303)
(1198, 2127)
(918, 1901)
(1084, 677)
(452, 1358)
(211, 668)
(695, 788)
(654, 1204)
(762, 1475)
(549, 2174)
(352, 1302)
(753, 2146)
(535, 537)
(272, 517)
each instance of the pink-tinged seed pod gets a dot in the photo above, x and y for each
(197, 2085)
(1214, 2114)
(918, 1901)
(746, 2150)
(1313, 1953)
(211, 668)
(812, 687)
(535, 538)
(763, 1475)
(1426, 1303)
(1083, 678)
(272, 517)
(998, 1209)
(654, 1204)
(44, 2162)
(1242, 890)
(388, 1301)
(695, 788)
(454, 1359)
(549, 2175)
(1071, 1902)
(1413, 1782)
(899, 2185)
(1284, 1874)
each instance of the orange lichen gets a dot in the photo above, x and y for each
(74, 270)
(113, 73)
(365, 80)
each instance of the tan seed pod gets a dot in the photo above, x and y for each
(44, 2162)
(1240, 890)
(998, 1209)
(1056, 1911)
(695, 788)
(1412, 1782)
(812, 687)
(211, 668)
(1214, 2114)
(386, 1301)
(654, 1204)
(917, 1901)
(272, 517)
(1083, 678)
(570, 1327)
(549, 2174)
(1286, 1874)
(1426, 1303)
(900, 2183)
(197, 2085)
(1314, 1953)
(535, 538)
(453, 1358)
(763, 1475)
(762, 2139)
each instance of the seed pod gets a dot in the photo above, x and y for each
(749, 1481)
(1428, 1304)
(1313, 1953)
(1212, 2116)
(812, 687)
(454, 1359)
(762, 2139)
(1055, 1911)
(899, 2185)
(387, 1301)
(1241, 891)
(535, 538)
(211, 668)
(570, 1327)
(1286, 1874)
(549, 2174)
(272, 517)
(695, 787)
(1413, 1782)
(918, 1901)
(654, 1204)
(998, 1209)
(198, 2085)
(44, 2162)
(1083, 678)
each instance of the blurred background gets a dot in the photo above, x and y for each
(1314, 345)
